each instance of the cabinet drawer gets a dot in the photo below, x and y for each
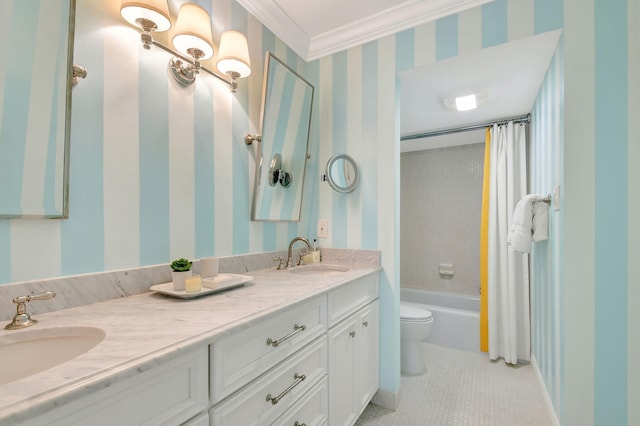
(241, 357)
(312, 409)
(169, 394)
(349, 298)
(253, 405)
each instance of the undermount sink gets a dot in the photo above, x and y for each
(319, 269)
(31, 351)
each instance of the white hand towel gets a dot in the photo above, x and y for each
(519, 236)
(540, 221)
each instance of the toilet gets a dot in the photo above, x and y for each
(415, 325)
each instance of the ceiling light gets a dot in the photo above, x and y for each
(465, 100)
(465, 103)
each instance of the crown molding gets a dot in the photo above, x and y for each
(276, 20)
(406, 15)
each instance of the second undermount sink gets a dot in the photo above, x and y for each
(319, 269)
(27, 352)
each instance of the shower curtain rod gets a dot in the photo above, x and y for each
(521, 119)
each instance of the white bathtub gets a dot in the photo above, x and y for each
(456, 317)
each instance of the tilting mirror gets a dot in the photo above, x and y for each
(35, 107)
(286, 119)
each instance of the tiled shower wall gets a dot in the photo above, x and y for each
(440, 203)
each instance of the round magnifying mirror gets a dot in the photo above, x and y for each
(274, 169)
(342, 173)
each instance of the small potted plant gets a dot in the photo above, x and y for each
(180, 271)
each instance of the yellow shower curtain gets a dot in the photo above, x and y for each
(484, 247)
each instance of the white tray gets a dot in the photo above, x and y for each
(222, 282)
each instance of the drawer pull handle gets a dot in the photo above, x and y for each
(296, 329)
(297, 423)
(298, 379)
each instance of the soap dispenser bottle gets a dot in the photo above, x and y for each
(316, 251)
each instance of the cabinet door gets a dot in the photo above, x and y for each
(367, 355)
(342, 372)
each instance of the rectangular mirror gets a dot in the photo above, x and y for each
(36, 49)
(281, 156)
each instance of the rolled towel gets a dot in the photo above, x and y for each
(540, 221)
(520, 231)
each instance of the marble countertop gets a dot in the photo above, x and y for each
(149, 329)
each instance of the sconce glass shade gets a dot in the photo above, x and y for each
(233, 56)
(193, 32)
(150, 15)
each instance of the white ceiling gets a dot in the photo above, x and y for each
(512, 73)
(317, 28)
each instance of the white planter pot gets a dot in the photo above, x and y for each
(179, 279)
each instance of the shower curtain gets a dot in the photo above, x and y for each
(508, 271)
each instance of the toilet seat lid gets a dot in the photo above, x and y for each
(412, 313)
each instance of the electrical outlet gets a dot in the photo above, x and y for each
(323, 228)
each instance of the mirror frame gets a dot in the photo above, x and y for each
(64, 190)
(285, 177)
(335, 185)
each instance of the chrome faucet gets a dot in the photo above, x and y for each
(22, 318)
(304, 240)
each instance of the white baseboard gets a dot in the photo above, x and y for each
(389, 400)
(547, 399)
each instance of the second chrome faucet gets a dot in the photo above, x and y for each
(296, 239)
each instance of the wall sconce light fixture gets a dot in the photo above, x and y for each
(191, 40)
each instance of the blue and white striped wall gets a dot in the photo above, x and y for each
(359, 116)
(601, 240)
(583, 341)
(157, 171)
(546, 171)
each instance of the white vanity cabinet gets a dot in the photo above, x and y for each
(267, 398)
(244, 355)
(169, 394)
(353, 344)
(310, 362)
(262, 371)
(323, 370)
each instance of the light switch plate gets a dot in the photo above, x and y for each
(556, 198)
(322, 228)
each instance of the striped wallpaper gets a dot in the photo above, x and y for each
(581, 337)
(546, 171)
(32, 99)
(158, 171)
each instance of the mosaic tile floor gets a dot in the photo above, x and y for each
(464, 389)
